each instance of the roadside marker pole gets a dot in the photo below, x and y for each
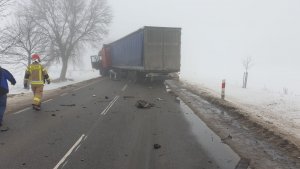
(223, 89)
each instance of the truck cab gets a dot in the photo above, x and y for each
(95, 61)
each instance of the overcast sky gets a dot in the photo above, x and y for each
(218, 34)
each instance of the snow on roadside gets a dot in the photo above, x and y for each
(276, 108)
(73, 76)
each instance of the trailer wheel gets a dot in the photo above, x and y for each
(131, 75)
(141, 77)
(113, 75)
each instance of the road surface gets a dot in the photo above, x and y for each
(98, 126)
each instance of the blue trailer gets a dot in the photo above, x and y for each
(148, 53)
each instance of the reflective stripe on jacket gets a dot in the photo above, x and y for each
(36, 73)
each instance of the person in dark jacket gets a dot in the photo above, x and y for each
(4, 76)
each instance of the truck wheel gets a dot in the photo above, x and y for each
(132, 76)
(140, 77)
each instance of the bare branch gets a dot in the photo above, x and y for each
(69, 24)
(3, 7)
(20, 40)
(247, 63)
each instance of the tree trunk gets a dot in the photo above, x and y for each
(246, 79)
(29, 58)
(243, 81)
(64, 68)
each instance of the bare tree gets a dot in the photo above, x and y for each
(20, 40)
(71, 24)
(247, 63)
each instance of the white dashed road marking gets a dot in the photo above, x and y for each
(69, 152)
(124, 88)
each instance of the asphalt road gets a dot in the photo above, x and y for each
(98, 126)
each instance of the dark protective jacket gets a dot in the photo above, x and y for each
(4, 76)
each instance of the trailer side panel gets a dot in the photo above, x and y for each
(128, 51)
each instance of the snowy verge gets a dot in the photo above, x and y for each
(279, 111)
(74, 76)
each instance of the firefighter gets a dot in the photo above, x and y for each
(37, 75)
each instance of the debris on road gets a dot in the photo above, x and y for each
(156, 146)
(159, 99)
(53, 114)
(51, 111)
(94, 95)
(143, 104)
(106, 97)
(226, 138)
(243, 163)
(68, 105)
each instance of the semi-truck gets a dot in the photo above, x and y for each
(150, 53)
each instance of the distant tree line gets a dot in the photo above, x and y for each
(56, 29)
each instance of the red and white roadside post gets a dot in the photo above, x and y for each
(223, 89)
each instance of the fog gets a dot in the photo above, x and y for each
(217, 35)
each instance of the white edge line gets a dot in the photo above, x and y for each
(20, 111)
(63, 94)
(85, 86)
(47, 101)
(80, 88)
(69, 152)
